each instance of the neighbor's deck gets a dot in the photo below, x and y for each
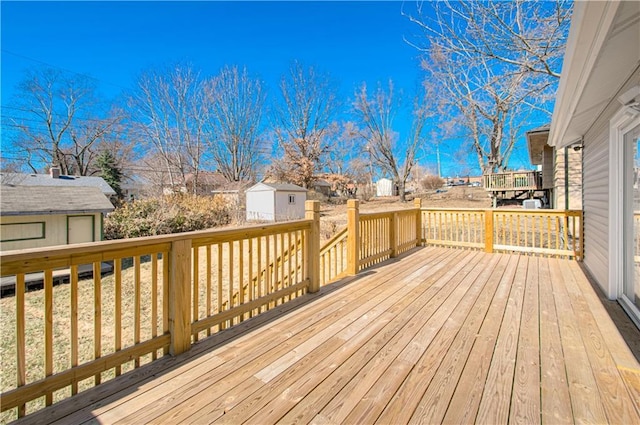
(438, 336)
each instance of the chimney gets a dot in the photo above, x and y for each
(54, 172)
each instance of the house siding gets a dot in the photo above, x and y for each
(575, 179)
(596, 190)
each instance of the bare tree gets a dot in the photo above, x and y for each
(303, 122)
(377, 113)
(346, 145)
(171, 110)
(236, 101)
(524, 35)
(60, 121)
(492, 63)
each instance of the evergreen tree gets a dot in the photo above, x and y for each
(109, 171)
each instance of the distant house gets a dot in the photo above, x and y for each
(38, 216)
(207, 182)
(597, 110)
(560, 169)
(275, 202)
(323, 187)
(135, 187)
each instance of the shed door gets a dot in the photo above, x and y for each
(80, 229)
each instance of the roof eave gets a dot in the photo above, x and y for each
(590, 26)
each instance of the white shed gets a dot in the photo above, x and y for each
(275, 202)
(384, 187)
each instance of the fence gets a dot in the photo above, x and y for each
(540, 232)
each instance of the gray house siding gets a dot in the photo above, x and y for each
(596, 190)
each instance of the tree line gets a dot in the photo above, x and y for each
(490, 68)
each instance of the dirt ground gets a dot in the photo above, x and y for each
(334, 216)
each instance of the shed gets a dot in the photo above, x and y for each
(39, 216)
(275, 202)
(384, 187)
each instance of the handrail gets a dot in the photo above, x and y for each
(535, 232)
(335, 239)
(333, 258)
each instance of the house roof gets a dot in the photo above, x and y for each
(536, 141)
(282, 187)
(21, 179)
(45, 200)
(602, 53)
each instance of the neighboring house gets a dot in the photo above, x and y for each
(385, 187)
(134, 187)
(323, 187)
(39, 216)
(208, 182)
(560, 169)
(275, 202)
(55, 179)
(598, 109)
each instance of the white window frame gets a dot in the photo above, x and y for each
(292, 199)
(620, 124)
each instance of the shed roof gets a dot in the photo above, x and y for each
(36, 200)
(22, 179)
(281, 187)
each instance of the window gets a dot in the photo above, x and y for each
(292, 199)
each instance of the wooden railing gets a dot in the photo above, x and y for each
(165, 293)
(376, 237)
(333, 258)
(542, 232)
(514, 180)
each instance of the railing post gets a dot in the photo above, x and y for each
(312, 212)
(180, 296)
(393, 234)
(417, 203)
(488, 230)
(353, 236)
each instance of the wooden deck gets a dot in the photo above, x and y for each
(438, 336)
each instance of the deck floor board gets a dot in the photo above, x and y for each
(437, 336)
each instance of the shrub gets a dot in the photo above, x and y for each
(432, 182)
(164, 215)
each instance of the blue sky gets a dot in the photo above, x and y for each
(115, 41)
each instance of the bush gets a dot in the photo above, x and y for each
(165, 215)
(432, 182)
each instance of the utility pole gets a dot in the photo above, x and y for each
(438, 159)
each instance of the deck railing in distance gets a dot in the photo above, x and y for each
(165, 292)
(513, 180)
(537, 232)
